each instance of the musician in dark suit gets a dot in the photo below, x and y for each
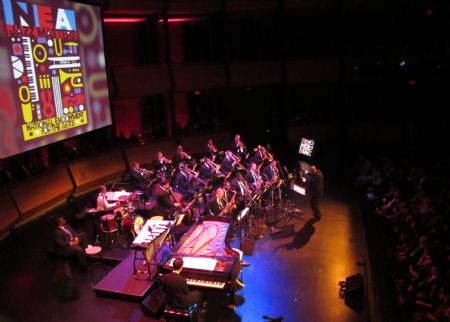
(160, 164)
(242, 189)
(228, 163)
(136, 177)
(69, 243)
(238, 147)
(270, 173)
(252, 178)
(210, 150)
(183, 183)
(218, 206)
(314, 179)
(165, 205)
(260, 155)
(206, 170)
(177, 291)
(180, 156)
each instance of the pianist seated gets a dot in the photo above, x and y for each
(176, 288)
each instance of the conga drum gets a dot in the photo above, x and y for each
(108, 222)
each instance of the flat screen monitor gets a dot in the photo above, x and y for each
(306, 147)
(52, 73)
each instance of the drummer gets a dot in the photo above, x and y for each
(102, 201)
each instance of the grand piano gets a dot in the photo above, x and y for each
(209, 262)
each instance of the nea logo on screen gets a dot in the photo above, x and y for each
(46, 66)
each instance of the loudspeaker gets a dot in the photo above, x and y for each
(153, 305)
(354, 286)
(247, 246)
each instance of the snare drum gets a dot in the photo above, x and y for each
(108, 222)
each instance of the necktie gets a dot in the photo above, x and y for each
(68, 232)
(242, 187)
(220, 203)
(254, 177)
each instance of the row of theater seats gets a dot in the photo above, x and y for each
(31, 198)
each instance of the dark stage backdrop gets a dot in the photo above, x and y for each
(52, 73)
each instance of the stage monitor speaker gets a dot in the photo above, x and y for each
(354, 286)
(153, 305)
(247, 246)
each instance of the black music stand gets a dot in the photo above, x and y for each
(294, 212)
(274, 230)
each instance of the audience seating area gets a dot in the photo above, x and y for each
(410, 206)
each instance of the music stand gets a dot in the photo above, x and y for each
(294, 212)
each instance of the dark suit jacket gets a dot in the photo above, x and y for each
(315, 184)
(205, 172)
(227, 166)
(136, 180)
(177, 291)
(214, 207)
(62, 239)
(257, 158)
(267, 173)
(164, 206)
(236, 187)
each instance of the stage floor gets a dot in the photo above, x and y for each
(293, 274)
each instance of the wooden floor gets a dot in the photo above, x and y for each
(293, 274)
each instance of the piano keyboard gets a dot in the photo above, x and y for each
(29, 66)
(203, 283)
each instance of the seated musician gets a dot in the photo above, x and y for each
(176, 288)
(136, 177)
(210, 150)
(238, 147)
(102, 201)
(180, 156)
(243, 191)
(69, 243)
(228, 163)
(207, 170)
(252, 177)
(160, 164)
(260, 155)
(183, 183)
(270, 173)
(218, 205)
(165, 205)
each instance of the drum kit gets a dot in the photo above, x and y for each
(119, 224)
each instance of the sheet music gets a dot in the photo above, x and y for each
(198, 263)
(115, 195)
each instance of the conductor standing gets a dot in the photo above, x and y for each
(315, 183)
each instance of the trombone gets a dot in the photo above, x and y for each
(237, 160)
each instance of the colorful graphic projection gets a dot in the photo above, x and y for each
(47, 68)
(57, 79)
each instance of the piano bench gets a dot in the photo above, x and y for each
(180, 315)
